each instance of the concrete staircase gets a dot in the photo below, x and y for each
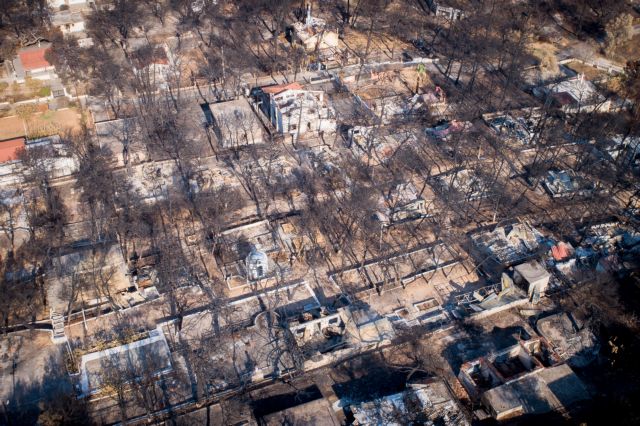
(57, 321)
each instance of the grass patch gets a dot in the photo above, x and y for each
(44, 92)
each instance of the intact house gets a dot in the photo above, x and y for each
(574, 95)
(567, 183)
(31, 63)
(523, 379)
(234, 123)
(295, 111)
(533, 277)
(249, 253)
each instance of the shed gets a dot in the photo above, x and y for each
(534, 276)
(257, 264)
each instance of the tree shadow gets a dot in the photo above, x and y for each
(479, 343)
(51, 400)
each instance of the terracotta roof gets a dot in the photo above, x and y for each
(34, 59)
(279, 88)
(564, 98)
(9, 149)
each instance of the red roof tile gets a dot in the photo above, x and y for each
(9, 149)
(34, 59)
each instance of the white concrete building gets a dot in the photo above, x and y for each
(58, 3)
(68, 22)
(295, 111)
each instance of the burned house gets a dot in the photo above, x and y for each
(297, 243)
(526, 378)
(567, 183)
(318, 412)
(489, 299)
(513, 128)
(397, 269)
(315, 36)
(376, 145)
(505, 246)
(245, 337)
(392, 96)
(621, 149)
(464, 184)
(123, 139)
(449, 10)
(153, 66)
(570, 339)
(319, 330)
(609, 247)
(234, 123)
(400, 204)
(125, 364)
(428, 402)
(446, 129)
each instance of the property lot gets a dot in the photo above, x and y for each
(40, 124)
